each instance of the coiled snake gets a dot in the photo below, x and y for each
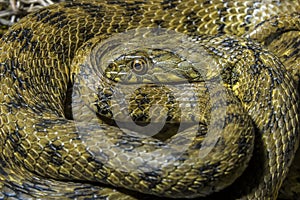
(220, 75)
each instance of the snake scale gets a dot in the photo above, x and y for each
(234, 64)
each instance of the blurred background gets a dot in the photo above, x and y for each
(13, 10)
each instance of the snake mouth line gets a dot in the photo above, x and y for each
(164, 83)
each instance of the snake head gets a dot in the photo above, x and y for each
(151, 66)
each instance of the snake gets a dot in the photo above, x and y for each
(133, 99)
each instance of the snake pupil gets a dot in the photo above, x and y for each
(139, 66)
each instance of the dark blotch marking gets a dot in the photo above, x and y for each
(102, 104)
(58, 18)
(16, 139)
(159, 22)
(230, 43)
(12, 69)
(124, 3)
(90, 8)
(52, 148)
(35, 47)
(41, 15)
(151, 177)
(295, 47)
(23, 36)
(207, 2)
(127, 143)
(18, 102)
(141, 118)
(257, 66)
(192, 21)
(232, 118)
(130, 8)
(54, 18)
(54, 155)
(209, 170)
(169, 4)
(141, 102)
(222, 12)
(243, 146)
(3, 165)
(36, 185)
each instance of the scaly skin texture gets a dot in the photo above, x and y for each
(242, 94)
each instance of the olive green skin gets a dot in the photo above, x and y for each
(54, 147)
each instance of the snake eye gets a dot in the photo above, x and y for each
(139, 66)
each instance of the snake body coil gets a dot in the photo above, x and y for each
(63, 67)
